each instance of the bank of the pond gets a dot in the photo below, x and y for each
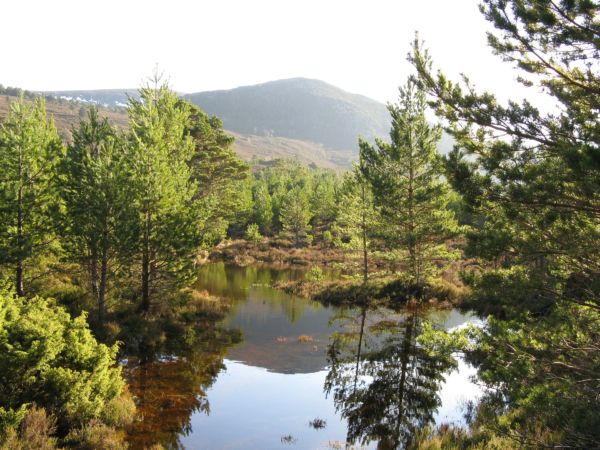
(282, 252)
(338, 280)
(390, 291)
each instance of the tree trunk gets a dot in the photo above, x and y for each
(102, 288)
(94, 269)
(407, 350)
(360, 341)
(103, 275)
(19, 269)
(145, 281)
(364, 237)
(19, 279)
(411, 213)
(146, 266)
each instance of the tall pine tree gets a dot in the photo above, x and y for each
(358, 218)
(30, 149)
(95, 187)
(406, 176)
(535, 179)
(295, 214)
(168, 222)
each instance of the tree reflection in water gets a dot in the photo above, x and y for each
(383, 382)
(169, 380)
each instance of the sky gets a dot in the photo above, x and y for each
(359, 46)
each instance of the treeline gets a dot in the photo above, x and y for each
(291, 198)
(362, 210)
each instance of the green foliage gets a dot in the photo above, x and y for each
(358, 219)
(295, 214)
(34, 432)
(253, 233)
(11, 418)
(323, 201)
(533, 178)
(272, 184)
(406, 177)
(30, 149)
(168, 220)
(262, 213)
(218, 173)
(315, 274)
(94, 185)
(52, 360)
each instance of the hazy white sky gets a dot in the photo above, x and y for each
(360, 46)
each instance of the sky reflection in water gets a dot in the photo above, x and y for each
(273, 384)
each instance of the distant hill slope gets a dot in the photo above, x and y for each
(298, 108)
(67, 115)
(105, 97)
(300, 118)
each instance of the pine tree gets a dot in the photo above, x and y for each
(30, 149)
(263, 206)
(95, 189)
(168, 222)
(534, 178)
(383, 381)
(406, 176)
(358, 218)
(322, 199)
(220, 175)
(295, 214)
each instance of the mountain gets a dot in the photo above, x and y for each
(300, 118)
(301, 109)
(298, 108)
(67, 114)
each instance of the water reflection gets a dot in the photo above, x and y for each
(169, 370)
(383, 383)
(248, 380)
(168, 392)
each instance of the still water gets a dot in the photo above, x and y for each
(297, 374)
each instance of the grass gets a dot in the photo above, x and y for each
(389, 291)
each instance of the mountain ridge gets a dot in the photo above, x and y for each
(298, 108)
(302, 118)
